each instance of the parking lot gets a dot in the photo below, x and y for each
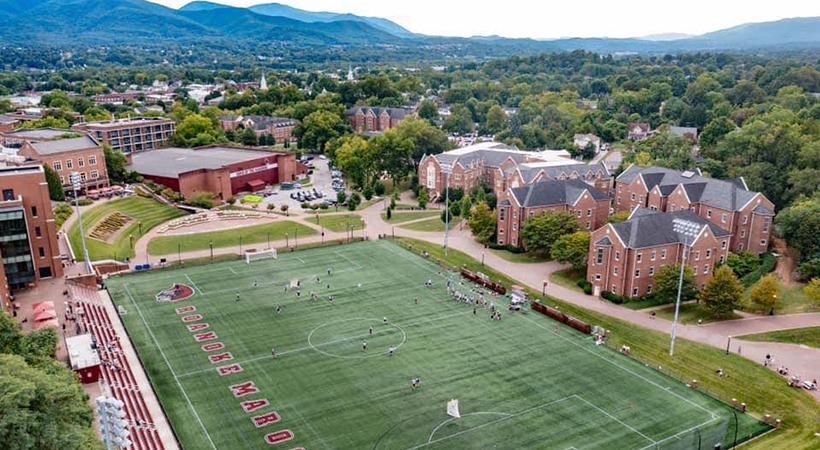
(322, 183)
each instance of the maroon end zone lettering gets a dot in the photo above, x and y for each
(192, 318)
(226, 356)
(213, 346)
(253, 405)
(279, 437)
(243, 389)
(266, 419)
(207, 336)
(186, 309)
(232, 368)
(197, 326)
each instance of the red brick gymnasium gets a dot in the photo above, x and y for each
(224, 171)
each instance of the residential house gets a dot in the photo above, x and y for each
(582, 140)
(638, 131)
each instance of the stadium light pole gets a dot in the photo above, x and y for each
(446, 169)
(240, 244)
(211, 245)
(76, 186)
(687, 229)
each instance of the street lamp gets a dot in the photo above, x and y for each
(446, 169)
(76, 185)
(687, 229)
(211, 245)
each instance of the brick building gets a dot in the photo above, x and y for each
(130, 135)
(81, 154)
(366, 119)
(28, 238)
(223, 171)
(624, 257)
(503, 167)
(516, 205)
(747, 215)
(638, 131)
(281, 128)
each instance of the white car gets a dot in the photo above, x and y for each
(322, 157)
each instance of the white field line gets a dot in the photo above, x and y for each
(201, 292)
(492, 422)
(678, 434)
(348, 260)
(271, 283)
(587, 350)
(182, 389)
(617, 420)
(308, 347)
(479, 413)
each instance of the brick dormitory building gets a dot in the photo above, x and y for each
(130, 135)
(729, 204)
(281, 128)
(504, 167)
(516, 205)
(221, 170)
(82, 155)
(28, 237)
(367, 119)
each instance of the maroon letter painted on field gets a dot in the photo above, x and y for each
(243, 389)
(278, 437)
(186, 309)
(207, 336)
(213, 346)
(253, 405)
(225, 370)
(266, 419)
(226, 356)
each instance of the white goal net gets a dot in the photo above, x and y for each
(261, 254)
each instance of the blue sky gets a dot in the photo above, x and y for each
(555, 19)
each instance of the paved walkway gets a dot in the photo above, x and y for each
(802, 360)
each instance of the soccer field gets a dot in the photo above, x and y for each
(520, 383)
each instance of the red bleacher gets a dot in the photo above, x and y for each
(116, 371)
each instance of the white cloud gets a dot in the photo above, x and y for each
(555, 19)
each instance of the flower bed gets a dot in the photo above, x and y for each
(107, 228)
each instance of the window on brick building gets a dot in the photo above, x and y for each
(589, 213)
(695, 270)
(92, 160)
(639, 257)
(663, 254)
(763, 242)
(708, 253)
(58, 166)
(722, 258)
(652, 257)
(589, 225)
(651, 270)
(723, 244)
(637, 273)
(743, 233)
(634, 292)
(33, 211)
(80, 162)
(501, 214)
(745, 219)
(709, 214)
(599, 258)
(633, 196)
(723, 218)
(615, 271)
(68, 164)
(42, 252)
(649, 289)
(617, 256)
(765, 225)
(697, 255)
(37, 232)
(8, 194)
(598, 277)
(706, 269)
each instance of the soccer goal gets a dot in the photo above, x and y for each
(261, 254)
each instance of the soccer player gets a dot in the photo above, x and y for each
(278, 309)
(328, 285)
(359, 286)
(237, 297)
(255, 283)
(364, 346)
(391, 350)
(370, 331)
(329, 271)
(384, 319)
(416, 300)
(415, 383)
(273, 353)
(330, 299)
(299, 293)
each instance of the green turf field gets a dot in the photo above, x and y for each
(521, 384)
(254, 234)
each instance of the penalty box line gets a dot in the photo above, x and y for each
(308, 347)
(167, 363)
(712, 413)
(263, 284)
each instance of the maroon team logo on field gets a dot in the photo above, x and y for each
(175, 293)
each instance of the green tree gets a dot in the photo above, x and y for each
(195, 130)
(482, 222)
(378, 188)
(765, 294)
(466, 205)
(422, 198)
(496, 120)
(318, 128)
(572, 249)
(389, 213)
(714, 131)
(459, 121)
(115, 162)
(353, 201)
(428, 111)
(619, 216)
(667, 279)
(540, 232)
(426, 139)
(248, 137)
(353, 155)
(341, 197)
(367, 192)
(55, 186)
(722, 293)
(393, 153)
(743, 262)
(201, 199)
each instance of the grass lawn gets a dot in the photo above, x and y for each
(338, 223)
(567, 278)
(690, 313)
(762, 389)
(329, 393)
(148, 211)
(792, 301)
(399, 217)
(801, 336)
(166, 245)
(430, 225)
(518, 257)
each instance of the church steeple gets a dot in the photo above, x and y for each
(350, 76)
(263, 84)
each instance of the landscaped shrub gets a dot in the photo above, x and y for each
(585, 285)
(507, 247)
(85, 202)
(61, 213)
(767, 263)
(614, 298)
(251, 199)
(323, 206)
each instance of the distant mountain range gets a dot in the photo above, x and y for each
(61, 23)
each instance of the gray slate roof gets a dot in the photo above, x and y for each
(554, 192)
(38, 133)
(648, 228)
(529, 172)
(726, 194)
(64, 145)
(395, 113)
